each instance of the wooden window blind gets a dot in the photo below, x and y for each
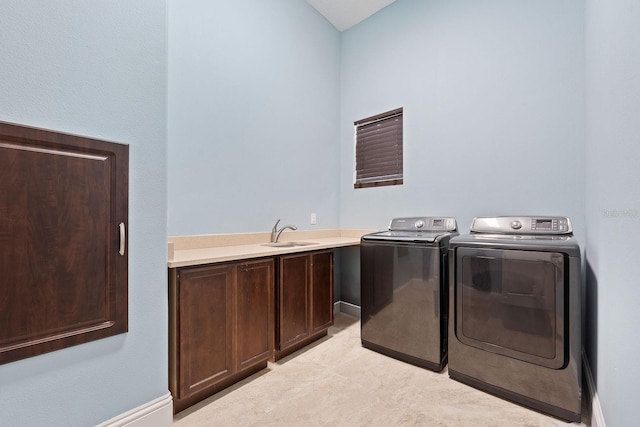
(379, 150)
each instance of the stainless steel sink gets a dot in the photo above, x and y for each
(287, 244)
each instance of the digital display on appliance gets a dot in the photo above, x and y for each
(438, 222)
(543, 223)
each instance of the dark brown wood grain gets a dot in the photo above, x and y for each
(221, 326)
(205, 327)
(322, 291)
(254, 313)
(305, 299)
(222, 318)
(62, 280)
(294, 299)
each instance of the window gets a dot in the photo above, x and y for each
(379, 150)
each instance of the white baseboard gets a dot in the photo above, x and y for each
(346, 308)
(597, 417)
(157, 413)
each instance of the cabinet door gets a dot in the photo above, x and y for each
(63, 258)
(322, 291)
(205, 327)
(294, 299)
(254, 313)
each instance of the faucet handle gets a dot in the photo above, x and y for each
(275, 227)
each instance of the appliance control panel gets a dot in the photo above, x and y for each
(549, 225)
(423, 223)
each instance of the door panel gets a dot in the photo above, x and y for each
(206, 327)
(322, 292)
(254, 313)
(63, 201)
(294, 298)
(512, 303)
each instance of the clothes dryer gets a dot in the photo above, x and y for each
(515, 326)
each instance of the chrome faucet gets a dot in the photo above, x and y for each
(275, 233)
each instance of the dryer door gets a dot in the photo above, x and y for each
(512, 302)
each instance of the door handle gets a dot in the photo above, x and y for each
(123, 238)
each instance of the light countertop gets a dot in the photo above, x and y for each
(207, 249)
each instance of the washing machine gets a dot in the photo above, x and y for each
(515, 319)
(404, 290)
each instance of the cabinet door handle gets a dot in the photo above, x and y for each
(123, 238)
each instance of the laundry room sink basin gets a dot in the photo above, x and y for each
(287, 244)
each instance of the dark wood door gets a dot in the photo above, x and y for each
(322, 291)
(63, 219)
(254, 313)
(294, 299)
(205, 326)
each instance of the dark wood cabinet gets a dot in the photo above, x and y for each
(205, 327)
(304, 300)
(254, 313)
(321, 291)
(294, 292)
(220, 326)
(63, 246)
(223, 317)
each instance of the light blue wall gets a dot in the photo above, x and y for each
(493, 97)
(613, 205)
(259, 93)
(253, 116)
(96, 69)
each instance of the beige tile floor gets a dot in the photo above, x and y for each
(337, 382)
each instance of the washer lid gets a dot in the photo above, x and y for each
(405, 236)
(536, 225)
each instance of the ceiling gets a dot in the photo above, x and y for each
(344, 14)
